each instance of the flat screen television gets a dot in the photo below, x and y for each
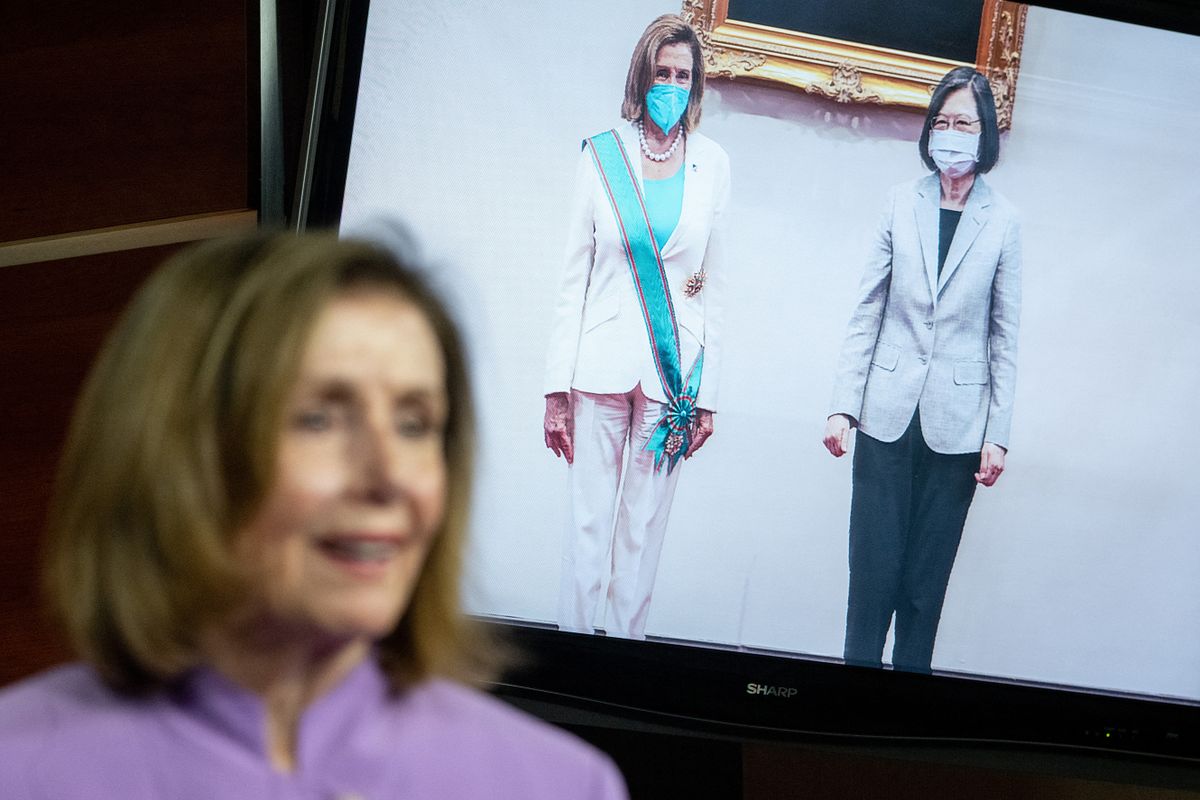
(1072, 616)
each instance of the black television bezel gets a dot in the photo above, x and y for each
(707, 690)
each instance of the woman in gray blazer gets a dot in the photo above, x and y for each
(926, 375)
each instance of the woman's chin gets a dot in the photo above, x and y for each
(361, 624)
(329, 628)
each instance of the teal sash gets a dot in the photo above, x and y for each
(672, 434)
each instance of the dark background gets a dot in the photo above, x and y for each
(943, 28)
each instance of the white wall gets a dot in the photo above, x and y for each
(1082, 565)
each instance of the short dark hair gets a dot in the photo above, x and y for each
(985, 103)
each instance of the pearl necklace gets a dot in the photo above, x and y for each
(650, 154)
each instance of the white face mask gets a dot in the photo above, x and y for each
(954, 152)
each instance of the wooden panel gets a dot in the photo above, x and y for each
(121, 112)
(53, 319)
(126, 237)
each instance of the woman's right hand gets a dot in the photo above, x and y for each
(559, 434)
(837, 434)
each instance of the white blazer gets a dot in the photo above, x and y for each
(948, 344)
(598, 340)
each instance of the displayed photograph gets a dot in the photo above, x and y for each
(901, 382)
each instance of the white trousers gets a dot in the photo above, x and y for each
(607, 427)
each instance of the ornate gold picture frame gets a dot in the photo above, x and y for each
(852, 72)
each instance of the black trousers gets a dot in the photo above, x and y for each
(907, 511)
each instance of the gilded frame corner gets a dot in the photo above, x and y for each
(852, 72)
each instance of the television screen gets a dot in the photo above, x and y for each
(1077, 571)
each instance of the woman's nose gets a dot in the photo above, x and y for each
(378, 463)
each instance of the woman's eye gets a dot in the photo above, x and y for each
(413, 425)
(313, 420)
(317, 417)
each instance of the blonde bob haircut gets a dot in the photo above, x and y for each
(173, 447)
(667, 29)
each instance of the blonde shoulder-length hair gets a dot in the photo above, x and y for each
(173, 446)
(667, 29)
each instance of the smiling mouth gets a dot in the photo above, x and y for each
(360, 551)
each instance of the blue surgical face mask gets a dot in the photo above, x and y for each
(665, 103)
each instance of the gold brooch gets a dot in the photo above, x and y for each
(695, 283)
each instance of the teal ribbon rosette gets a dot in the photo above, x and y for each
(672, 434)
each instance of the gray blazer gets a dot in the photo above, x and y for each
(947, 346)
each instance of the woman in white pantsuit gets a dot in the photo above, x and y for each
(634, 354)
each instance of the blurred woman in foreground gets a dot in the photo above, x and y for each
(256, 546)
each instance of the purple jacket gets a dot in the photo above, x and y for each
(64, 734)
